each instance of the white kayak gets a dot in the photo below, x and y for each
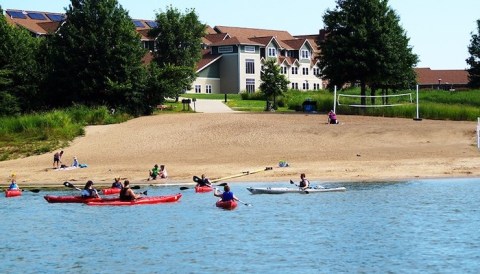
(283, 190)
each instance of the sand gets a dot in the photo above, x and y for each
(224, 144)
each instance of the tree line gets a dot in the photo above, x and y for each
(95, 59)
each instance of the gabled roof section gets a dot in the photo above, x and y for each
(207, 59)
(215, 38)
(236, 41)
(297, 44)
(210, 30)
(427, 76)
(251, 32)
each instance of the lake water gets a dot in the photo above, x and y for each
(429, 226)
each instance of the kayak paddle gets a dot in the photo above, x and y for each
(70, 185)
(185, 188)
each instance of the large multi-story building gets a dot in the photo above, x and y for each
(232, 57)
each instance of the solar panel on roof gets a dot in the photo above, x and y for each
(55, 17)
(36, 16)
(16, 14)
(138, 24)
(152, 24)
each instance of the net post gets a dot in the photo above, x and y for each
(478, 133)
(418, 114)
(335, 99)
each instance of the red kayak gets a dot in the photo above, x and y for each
(111, 191)
(140, 201)
(73, 199)
(226, 204)
(203, 189)
(13, 192)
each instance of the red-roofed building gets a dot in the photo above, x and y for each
(441, 79)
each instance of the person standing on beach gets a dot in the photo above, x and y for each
(57, 159)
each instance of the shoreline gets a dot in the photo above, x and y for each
(360, 149)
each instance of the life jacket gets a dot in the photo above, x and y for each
(227, 196)
(124, 196)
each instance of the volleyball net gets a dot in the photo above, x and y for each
(371, 101)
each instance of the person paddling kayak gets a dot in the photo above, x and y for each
(227, 195)
(304, 183)
(203, 181)
(88, 191)
(127, 194)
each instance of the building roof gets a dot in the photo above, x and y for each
(207, 59)
(427, 76)
(251, 32)
(236, 41)
(211, 38)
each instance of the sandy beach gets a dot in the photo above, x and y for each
(224, 144)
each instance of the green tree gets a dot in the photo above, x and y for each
(365, 44)
(96, 57)
(178, 39)
(19, 69)
(273, 82)
(474, 60)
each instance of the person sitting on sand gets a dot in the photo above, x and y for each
(154, 172)
(304, 183)
(117, 183)
(163, 172)
(127, 194)
(88, 191)
(203, 181)
(332, 118)
(75, 162)
(227, 195)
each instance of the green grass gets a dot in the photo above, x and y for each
(39, 133)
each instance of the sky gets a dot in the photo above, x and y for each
(439, 30)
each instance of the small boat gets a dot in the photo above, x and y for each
(111, 191)
(13, 192)
(283, 190)
(203, 189)
(226, 204)
(73, 199)
(140, 201)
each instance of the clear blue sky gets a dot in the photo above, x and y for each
(439, 30)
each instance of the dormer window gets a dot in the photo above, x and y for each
(272, 52)
(305, 54)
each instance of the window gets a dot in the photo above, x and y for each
(250, 85)
(294, 85)
(272, 52)
(305, 54)
(283, 70)
(250, 49)
(225, 49)
(294, 70)
(305, 71)
(249, 66)
(305, 85)
(316, 71)
(198, 89)
(208, 88)
(316, 86)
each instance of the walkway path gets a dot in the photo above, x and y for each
(210, 106)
